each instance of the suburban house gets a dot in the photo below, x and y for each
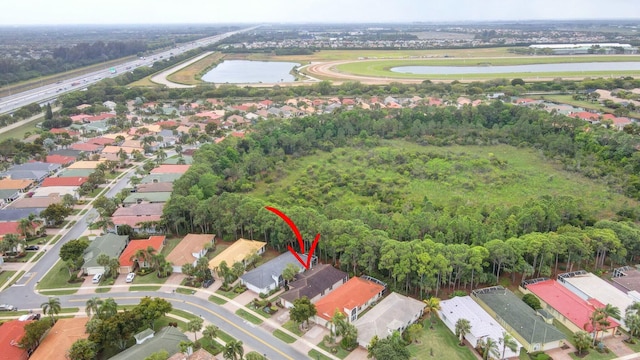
(589, 286)
(139, 210)
(393, 313)
(21, 185)
(168, 339)
(35, 175)
(64, 181)
(35, 202)
(526, 325)
(314, 284)
(10, 214)
(11, 332)
(200, 354)
(351, 299)
(189, 250)
(85, 164)
(239, 251)
(627, 279)
(268, 276)
(572, 311)
(149, 197)
(110, 244)
(60, 338)
(482, 324)
(11, 227)
(127, 258)
(160, 178)
(170, 169)
(154, 187)
(58, 191)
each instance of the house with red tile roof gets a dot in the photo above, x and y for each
(170, 169)
(128, 260)
(86, 147)
(100, 117)
(167, 124)
(58, 131)
(587, 116)
(351, 299)
(11, 332)
(266, 102)
(568, 308)
(101, 140)
(434, 101)
(348, 102)
(64, 181)
(79, 117)
(11, 227)
(59, 159)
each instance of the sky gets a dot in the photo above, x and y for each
(44, 12)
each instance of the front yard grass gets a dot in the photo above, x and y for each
(102, 290)
(315, 354)
(284, 336)
(339, 351)
(442, 342)
(185, 291)
(4, 276)
(293, 327)
(216, 300)
(56, 278)
(183, 314)
(249, 317)
(59, 292)
(151, 278)
(229, 294)
(144, 288)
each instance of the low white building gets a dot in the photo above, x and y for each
(482, 324)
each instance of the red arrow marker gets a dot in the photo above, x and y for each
(293, 227)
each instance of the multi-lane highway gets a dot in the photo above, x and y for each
(50, 92)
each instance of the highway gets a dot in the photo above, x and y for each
(49, 92)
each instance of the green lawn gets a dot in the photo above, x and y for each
(183, 314)
(151, 278)
(211, 346)
(216, 300)
(293, 327)
(169, 245)
(185, 291)
(249, 317)
(284, 336)
(69, 310)
(339, 351)
(4, 276)
(27, 255)
(59, 292)
(314, 354)
(164, 321)
(144, 288)
(441, 341)
(57, 278)
(103, 290)
(594, 355)
(224, 336)
(229, 294)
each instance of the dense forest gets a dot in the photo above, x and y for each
(420, 246)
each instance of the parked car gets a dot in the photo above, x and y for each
(96, 278)
(7, 307)
(208, 283)
(130, 277)
(32, 247)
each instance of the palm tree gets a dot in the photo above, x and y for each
(338, 324)
(51, 307)
(432, 305)
(612, 311)
(11, 244)
(507, 341)
(210, 331)
(185, 347)
(490, 347)
(463, 327)
(25, 226)
(165, 269)
(93, 305)
(194, 326)
(108, 309)
(233, 350)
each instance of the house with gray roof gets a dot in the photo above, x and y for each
(393, 313)
(8, 195)
(268, 276)
(314, 283)
(13, 214)
(75, 172)
(154, 187)
(37, 166)
(167, 339)
(160, 178)
(110, 244)
(149, 197)
(35, 175)
(66, 152)
(528, 327)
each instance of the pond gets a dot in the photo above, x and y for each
(245, 71)
(533, 68)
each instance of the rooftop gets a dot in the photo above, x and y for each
(84, 164)
(60, 338)
(313, 282)
(139, 210)
(238, 251)
(34, 202)
(12, 332)
(594, 287)
(9, 214)
(160, 178)
(147, 197)
(628, 278)
(393, 312)
(568, 304)
(170, 169)
(166, 339)
(110, 244)
(190, 244)
(134, 221)
(18, 184)
(518, 315)
(155, 187)
(155, 242)
(64, 181)
(482, 324)
(261, 277)
(355, 292)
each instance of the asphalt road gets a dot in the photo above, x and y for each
(23, 295)
(49, 92)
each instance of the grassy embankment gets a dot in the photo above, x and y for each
(191, 75)
(465, 176)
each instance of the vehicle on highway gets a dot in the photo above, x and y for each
(130, 277)
(7, 307)
(32, 247)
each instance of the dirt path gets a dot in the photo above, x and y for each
(162, 77)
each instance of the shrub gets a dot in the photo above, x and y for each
(263, 295)
(532, 301)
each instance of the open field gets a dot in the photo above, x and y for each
(20, 131)
(311, 180)
(190, 74)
